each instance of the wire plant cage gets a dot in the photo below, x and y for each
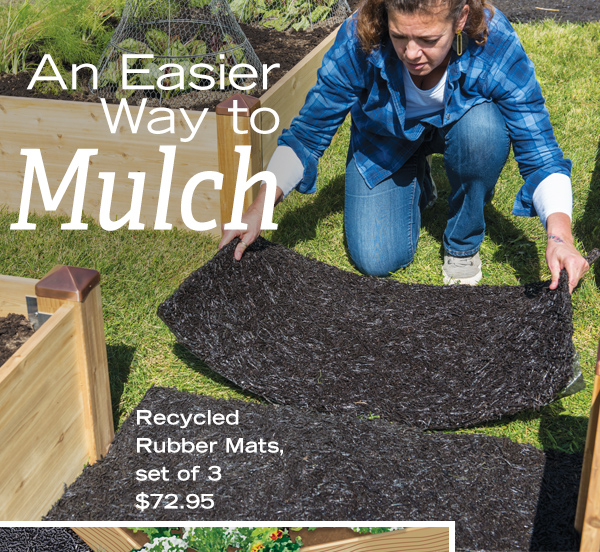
(180, 34)
(283, 15)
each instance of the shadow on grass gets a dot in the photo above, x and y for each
(553, 526)
(587, 227)
(563, 440)
(514, 246)
(300, 224)
(120, 358)
(198, 366)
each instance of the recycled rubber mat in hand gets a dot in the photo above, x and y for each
(300, 332)
(40, 539)
(502, 495)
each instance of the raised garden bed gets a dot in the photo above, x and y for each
(55, 409)
(415, 539)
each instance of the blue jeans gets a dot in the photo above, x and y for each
(382, 224)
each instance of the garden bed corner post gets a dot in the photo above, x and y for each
(587, 518)
(228, 139)
(80, 287)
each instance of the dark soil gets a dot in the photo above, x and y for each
(40, 539)
(502, 495)
(300, 332)
(15, 330)
(288, 48)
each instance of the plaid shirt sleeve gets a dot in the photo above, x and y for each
(340, 81)
(512, 84)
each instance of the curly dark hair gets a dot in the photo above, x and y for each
(372, 21)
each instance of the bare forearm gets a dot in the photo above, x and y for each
(561, 251)
(558, 228)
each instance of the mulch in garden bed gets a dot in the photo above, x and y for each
(502, 495)
(41, 539)
(286, 48)
(15, 330)
(290, 47)
(300, 332)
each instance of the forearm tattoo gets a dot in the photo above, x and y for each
(555, 238)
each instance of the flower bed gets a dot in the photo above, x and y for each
(55, 410)
(218, 539)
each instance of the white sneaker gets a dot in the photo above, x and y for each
(462, 270)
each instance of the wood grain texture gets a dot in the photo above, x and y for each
(111, 539)
(93, 369)
(42, 429)
(93, 364)
(287, 96)
(59, 128)
(411, 539)
(12, 294)
(587, 519)
(229, 160)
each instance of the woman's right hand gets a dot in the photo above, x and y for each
(253, 218)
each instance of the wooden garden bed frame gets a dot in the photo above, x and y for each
(60, 128)
(55, 407)
(411, 539)
(587, 519)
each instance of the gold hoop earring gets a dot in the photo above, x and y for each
(459, 43)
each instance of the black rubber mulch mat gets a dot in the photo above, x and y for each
(40, 539)
(300, 332)
(503, 495)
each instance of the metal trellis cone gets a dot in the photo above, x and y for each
(181, 34)
(283, 15)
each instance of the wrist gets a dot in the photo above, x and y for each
(558, 228)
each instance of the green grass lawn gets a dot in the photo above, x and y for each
(141, 269)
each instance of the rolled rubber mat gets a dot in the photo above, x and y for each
(502, 495)
(40, 539)
(300, 332)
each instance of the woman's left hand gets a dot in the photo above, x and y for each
(562, 253)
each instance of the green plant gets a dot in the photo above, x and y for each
(51, 87)
(218, 539)
(21, 29)
(270, 13)
(71, 31)
(153, 532)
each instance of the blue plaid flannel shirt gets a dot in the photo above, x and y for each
(371, 88)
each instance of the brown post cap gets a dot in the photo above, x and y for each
(243, 100)
(69, 283)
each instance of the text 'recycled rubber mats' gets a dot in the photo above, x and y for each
(281, 462)
(300, 332)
